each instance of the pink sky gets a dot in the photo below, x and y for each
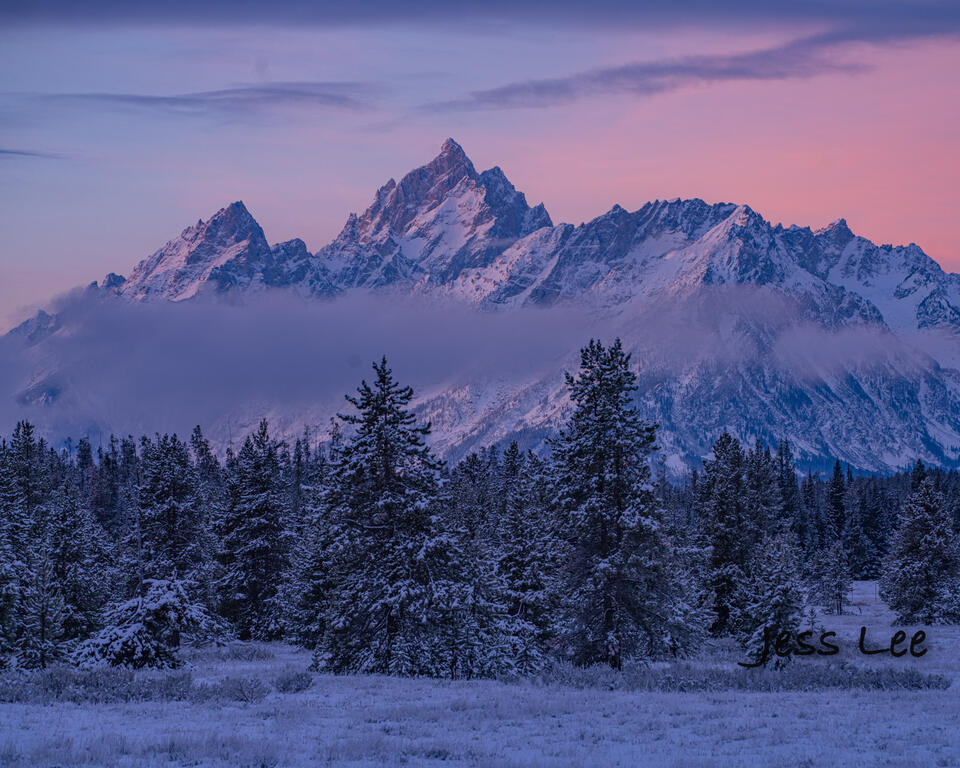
(880, 149)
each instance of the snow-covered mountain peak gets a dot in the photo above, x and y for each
(451, 150)
(836, 235)
(839, 226)
(440, 219)
(180, 267)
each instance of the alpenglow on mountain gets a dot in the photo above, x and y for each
(848, 349)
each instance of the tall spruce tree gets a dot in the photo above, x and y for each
(859, 546)
(525, 564)
(208, 497)
(10, 566)
(306, 584)
(398, 603)
(921, 574)
(253, 538)
(77, 554)
(619, 593)
(41, 639)
(728, 528)
(791, 497)
(762, 489)
(170, 519)
(26, 510)
(836, 504)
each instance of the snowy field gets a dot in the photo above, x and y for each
(375, 721)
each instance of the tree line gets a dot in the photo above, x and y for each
(361, 545)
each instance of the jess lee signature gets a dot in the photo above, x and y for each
(785, 644)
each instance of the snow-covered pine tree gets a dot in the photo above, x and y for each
(877, 528)
(306, 585)
(830, 578)
(859, 546)
(726, 527)
(620, 597)
(771, 598)
(85, 468)
(106, 480)
(836, 504)
(10, 566)
(398, 603)
(161, 539)
(147, 629)
(208, 497)
(795, 511)
(472, 504)
(171, 523)
(787, 479)
(476, 495)
(811, 495)
(25, 510)
(41, 639)
(79, 559)
(921, 573)
(307, 471)
(762, 489)
(526, 563)
(253, 538)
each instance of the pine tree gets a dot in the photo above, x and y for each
(812, 513)
(830, 582)
(41, 641)
(10, 566)
(791, 496)
(477, 499)
(25, 503)
(728, 529)
(525, 565)
(78, 559)
(917, 475)
(762, 488)
(207, 484)
(253, 541)
(771, 597)
(858, 544)
(398, 604)
(304, 591)
(836, 504)
(876, 529)
(306, 585)
(171, 523)
(921, 574)
(620, 598)
(147, 630)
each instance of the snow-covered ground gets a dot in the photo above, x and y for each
(376, 721)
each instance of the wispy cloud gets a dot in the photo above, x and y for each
(244, 99)
(27, 153)
(801, 58)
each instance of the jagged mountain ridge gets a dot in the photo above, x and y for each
(449, 232)
(447, 229)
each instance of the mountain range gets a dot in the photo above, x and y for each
(850, 350)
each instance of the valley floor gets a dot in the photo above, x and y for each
(374, 721)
